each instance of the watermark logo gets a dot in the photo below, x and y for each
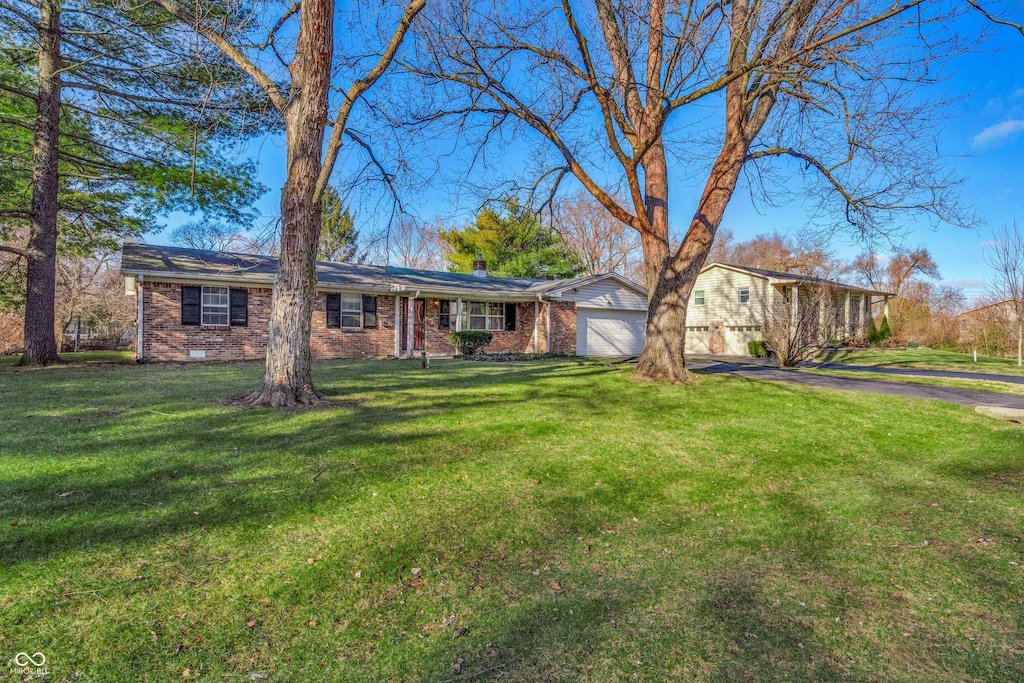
(26, 664)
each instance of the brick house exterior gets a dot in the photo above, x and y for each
(210, 306)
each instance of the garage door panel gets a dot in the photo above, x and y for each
(610, 332)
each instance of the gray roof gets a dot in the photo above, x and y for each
(797, 278)
(196, 264)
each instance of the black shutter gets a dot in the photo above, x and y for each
(444, 316)
(239, 300)
(334, 310)
(369, 311)
(510, 317)
(191, 304)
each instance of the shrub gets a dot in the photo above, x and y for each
(913, 344)
(884, 332)
(857, 343)
(757, 349)
(871, 333)
(470, 342)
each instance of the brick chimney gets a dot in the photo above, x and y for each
(480, 266)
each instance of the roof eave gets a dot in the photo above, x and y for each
(383, 288)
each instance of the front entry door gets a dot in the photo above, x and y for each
(716, 338)
(419, 310)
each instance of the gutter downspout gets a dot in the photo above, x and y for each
(139, 348)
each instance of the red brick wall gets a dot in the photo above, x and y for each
(563, 328)
(518, 340)
(166, 339)
(333, 342)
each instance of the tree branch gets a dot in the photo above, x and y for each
(359, 88)
(230, 51)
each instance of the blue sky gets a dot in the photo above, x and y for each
(983, 141)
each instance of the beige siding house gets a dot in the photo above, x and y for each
(730, 305)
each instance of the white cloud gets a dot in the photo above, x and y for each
(968, 283)
(999, 131)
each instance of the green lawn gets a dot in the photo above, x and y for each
(547, 521)
(926, 359)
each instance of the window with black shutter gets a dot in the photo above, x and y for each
(191, 304)
(510, 317)
(369, 311)
(239, 307)
(444, 316)
(333, 310)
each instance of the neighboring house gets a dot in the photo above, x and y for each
(991, 327)
(206, 305)
(730, 305)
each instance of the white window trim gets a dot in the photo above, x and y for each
(739, 295)
(351, 311)
(488, 318)
(700, 300)
(214, 308)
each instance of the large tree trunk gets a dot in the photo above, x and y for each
(669, 293)
(288, 378)
(40, 339)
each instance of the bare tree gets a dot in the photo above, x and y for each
(890, 274)
(821, 90)
(302, 99)
(603, 244)
(414, 244)
(782, 253)
(1005, 256)
(801, 321)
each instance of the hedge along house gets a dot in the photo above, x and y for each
(207, 305)
(731, 305)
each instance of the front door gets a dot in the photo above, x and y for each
(716, 338)
(419, 311)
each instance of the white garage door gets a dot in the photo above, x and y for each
(602, 332)
(736, 339)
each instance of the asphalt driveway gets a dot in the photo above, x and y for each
(964, 397)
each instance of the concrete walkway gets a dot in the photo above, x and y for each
(964, 397)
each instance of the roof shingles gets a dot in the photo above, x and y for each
(196, 264)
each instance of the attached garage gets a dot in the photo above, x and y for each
(603, 332)
(736, 338)
(696, 341)
(611, 315)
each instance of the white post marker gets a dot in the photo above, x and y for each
(975, 355)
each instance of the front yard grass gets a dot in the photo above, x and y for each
(531, 521)
(925, 359)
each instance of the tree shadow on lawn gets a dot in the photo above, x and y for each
(710, 610)
(136, 476)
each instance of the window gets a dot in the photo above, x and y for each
(444, 315)
(743, 295)
(698, 297)
(352, 311)
(215, 306)
(485, 315)
(477, 315)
